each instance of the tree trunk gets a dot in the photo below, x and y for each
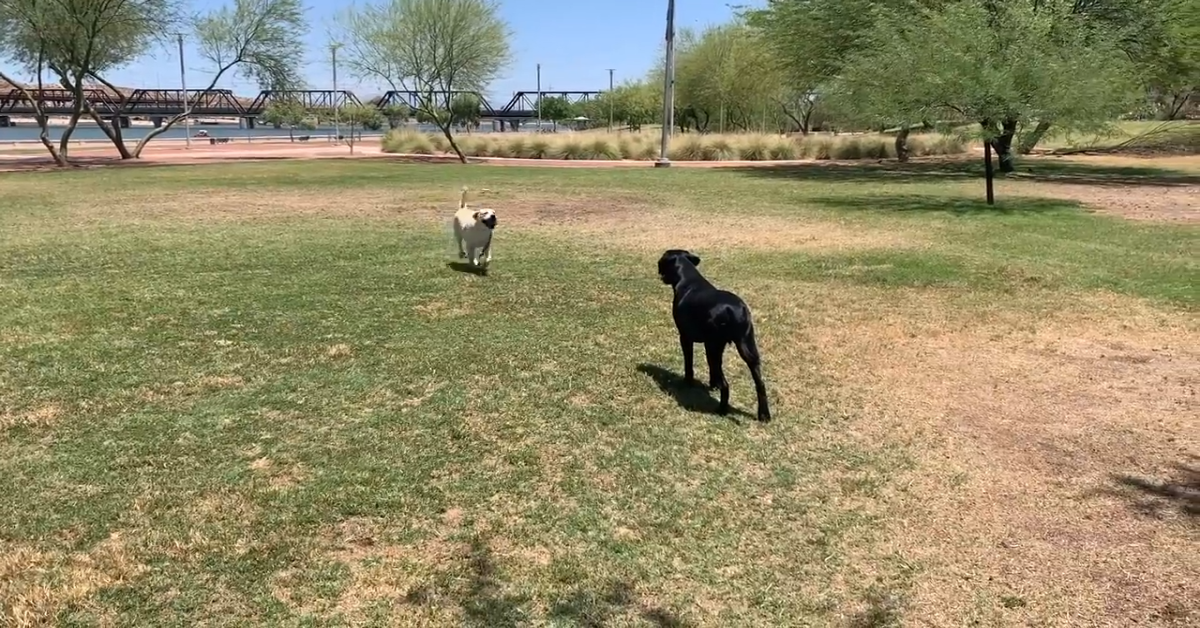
(59, 156)
(114, 135)
(63, 142)
(902, 144)
(1033, 137)
(43, 121)
(988, 175)
(450, 138)
(1002, 144)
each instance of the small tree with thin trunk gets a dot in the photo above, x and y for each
(556, 109)
(358, 117)
(429, 47)
(396, 114)
(287, 113)
(466, 110)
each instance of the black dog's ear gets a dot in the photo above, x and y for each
(694, 259)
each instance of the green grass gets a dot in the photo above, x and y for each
(1165, 137)
(310, 420)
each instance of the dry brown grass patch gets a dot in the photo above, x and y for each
(635, 223)
(41, 416)
(1021, 421)
(36, 585)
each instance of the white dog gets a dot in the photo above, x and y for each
(473, 230)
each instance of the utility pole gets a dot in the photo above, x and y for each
(668, 89)
(187, 114)
(337, 126)
(539, 102)
(610, 100)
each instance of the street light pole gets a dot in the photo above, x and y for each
(610, 100)
(337, 125)
(187, 118)
(539, 102)
(668, 89)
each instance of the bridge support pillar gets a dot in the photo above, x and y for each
(246, 123)
(278, 125)
(120, 121)
(5, 122)
(158, 121)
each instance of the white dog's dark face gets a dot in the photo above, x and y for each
(486, 217)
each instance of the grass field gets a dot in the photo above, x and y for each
(256, 394)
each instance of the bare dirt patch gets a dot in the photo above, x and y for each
(1024, 426)
(1176, 204)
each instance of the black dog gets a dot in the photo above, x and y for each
(714, 317)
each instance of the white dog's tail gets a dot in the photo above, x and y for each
(462, 200)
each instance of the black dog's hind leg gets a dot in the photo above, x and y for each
(715, 352)
(689, 370)
(748, 350)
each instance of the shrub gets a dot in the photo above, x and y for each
(782, 148)
(407, 141)
(687, 147)
(755, 148)
(691, 147)
(603, 148)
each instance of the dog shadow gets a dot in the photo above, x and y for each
(693, 397)
(464, 267)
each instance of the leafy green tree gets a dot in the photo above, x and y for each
(396, 113)
(726, 77)
(637, 103)
(289, 113)
(557, 109)
(1002, 67)
(466, 110)
(432, 47)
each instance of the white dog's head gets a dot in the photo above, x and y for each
(486, 217)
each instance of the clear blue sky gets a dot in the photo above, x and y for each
(574, 41)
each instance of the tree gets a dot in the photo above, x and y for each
(726, 76)
(289, 113)
(76, 40)
(395, 114)
(557, 109)
(466, 110)
(1002, 67)
(360, 117)
(430, 47)
(637, 103)
(84, 40)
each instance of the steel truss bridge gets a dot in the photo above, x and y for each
(159, 104)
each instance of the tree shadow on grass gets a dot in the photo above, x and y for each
(956, 205)
(1158, 497)
(479, 593)
(1032, 170)
(693, 397)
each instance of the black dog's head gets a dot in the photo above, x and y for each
(487, 217)
(669, 265)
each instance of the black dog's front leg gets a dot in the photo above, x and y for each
(689, 371)
(715, 352)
